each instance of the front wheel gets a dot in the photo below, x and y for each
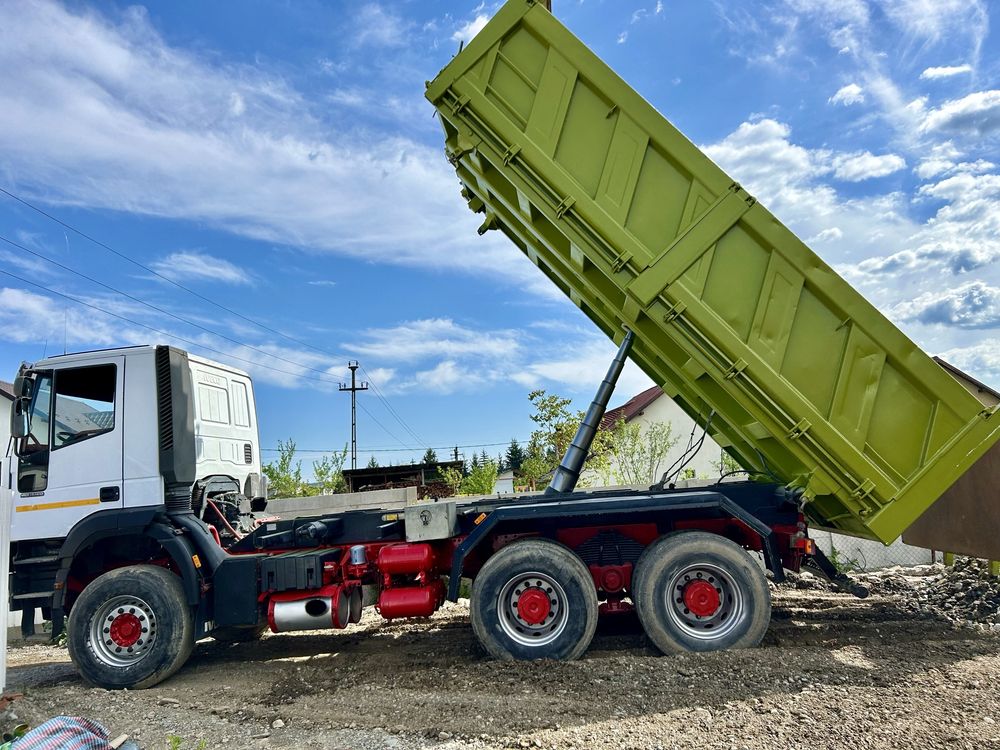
(534, 599)
(131, 628)
(696, 591)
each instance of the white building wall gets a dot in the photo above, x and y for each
(663, 410)
(867, 555)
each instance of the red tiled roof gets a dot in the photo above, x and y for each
(631, 408)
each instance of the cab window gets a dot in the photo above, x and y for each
(84, 404)
(33, 464)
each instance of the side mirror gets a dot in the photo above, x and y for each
(22, 386)
(19, 417)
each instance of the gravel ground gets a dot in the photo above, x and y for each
(898, 669)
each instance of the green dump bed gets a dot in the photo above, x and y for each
(794, 372)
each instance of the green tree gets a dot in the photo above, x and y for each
(430, 457)
(632, 455)
(473, 463)
(453, 478)
(482, 479)
(373, 463)
(514, 456)
(726, 464)
(556, 425)
(329, 473)
(284, 474)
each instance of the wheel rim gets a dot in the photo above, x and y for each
(123, 631)
(704, 602)
(532, 609)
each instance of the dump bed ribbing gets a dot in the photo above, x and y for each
(753, 335)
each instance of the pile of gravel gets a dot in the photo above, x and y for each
(965, 592)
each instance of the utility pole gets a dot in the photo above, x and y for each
(354, 388)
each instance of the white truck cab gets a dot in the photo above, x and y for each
(105, 440)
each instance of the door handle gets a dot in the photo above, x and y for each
(110, 494)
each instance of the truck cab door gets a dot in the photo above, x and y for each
(71, 463)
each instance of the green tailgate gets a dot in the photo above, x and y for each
(734, 315)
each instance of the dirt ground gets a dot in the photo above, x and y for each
(833, 672)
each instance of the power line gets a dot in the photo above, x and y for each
(393, 450)
(153, 271)
(167, 312)
(388, 406)
(209, 300)
(189, 342)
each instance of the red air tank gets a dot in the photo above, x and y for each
(404, 559)
(411, 601)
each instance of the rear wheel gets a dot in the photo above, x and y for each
(131, 628)
(696, 591)
(534, 599)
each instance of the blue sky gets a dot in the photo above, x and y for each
(278, 158)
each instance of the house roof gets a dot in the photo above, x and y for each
(965, 376)
(631, 408)
(7, 389)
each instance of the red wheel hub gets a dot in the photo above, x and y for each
(125, 630)
(533, 606)
(701, 598)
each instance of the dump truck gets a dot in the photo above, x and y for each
(139, 514)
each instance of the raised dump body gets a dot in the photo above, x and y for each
(758, 339)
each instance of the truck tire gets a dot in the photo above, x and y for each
(696, 591)
(239, 635)
(534, 599)
(131, 628)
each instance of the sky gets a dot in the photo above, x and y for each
(264, 184)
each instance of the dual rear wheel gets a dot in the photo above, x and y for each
(693, 591)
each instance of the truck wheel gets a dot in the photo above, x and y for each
(534, 599)
(131, 628)
(696, 591)
(239, 635)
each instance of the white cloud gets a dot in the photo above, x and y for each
(864, 165)
(833, 233)
(963, 234)
(103, 111)
(322, 282)
(433, 337)
(945, 71)
(981, 360)
(623, 37)
(659, 7)
(972, 305)
(379, 27)
(581, 368)
(942, 158)
(191, 265)
(467, 31)
(852, 93)
(977, 114)
(931, 21)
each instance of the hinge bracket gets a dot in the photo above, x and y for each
(674, 312)
(564, 206)
(509, 154)
(735, 369)
(799, 429)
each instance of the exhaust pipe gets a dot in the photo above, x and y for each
(568, 474)
(329, 607)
